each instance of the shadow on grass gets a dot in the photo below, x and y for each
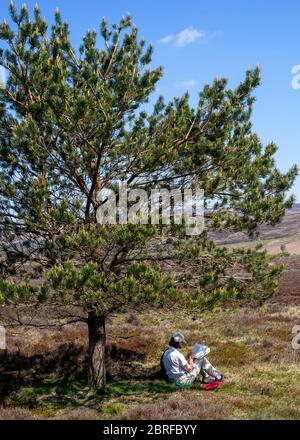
(56, 393)
(18, 370)
(57, 379)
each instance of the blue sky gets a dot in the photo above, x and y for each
(196, 40)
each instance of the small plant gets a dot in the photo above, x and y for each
(283, 251)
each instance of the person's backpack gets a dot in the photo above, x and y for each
(163, 371)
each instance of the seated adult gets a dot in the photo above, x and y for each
(184, 371)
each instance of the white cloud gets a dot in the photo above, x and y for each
(186, 84)
(186, 36)
(167, 39)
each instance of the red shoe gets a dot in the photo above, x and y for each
(212, 386)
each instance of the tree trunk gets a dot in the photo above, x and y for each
(96, 351)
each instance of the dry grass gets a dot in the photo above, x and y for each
(181, 406)
(252, 347)
(78, 414)
(17, 414)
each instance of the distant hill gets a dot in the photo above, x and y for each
(286, 233)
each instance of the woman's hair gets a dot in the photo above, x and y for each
(174, 344)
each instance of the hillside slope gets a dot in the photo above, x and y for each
(286, 233)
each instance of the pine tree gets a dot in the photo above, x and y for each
(73, 122)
